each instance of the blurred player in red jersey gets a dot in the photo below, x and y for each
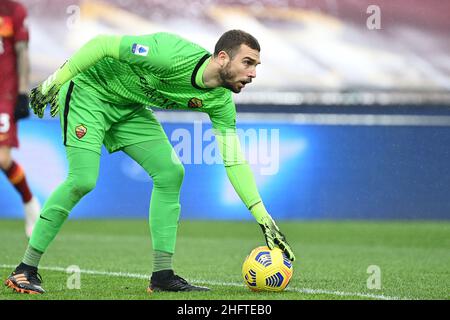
(14, 79)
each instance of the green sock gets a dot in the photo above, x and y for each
(32, 256)
(162, 261)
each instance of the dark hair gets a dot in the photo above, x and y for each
(231, 41)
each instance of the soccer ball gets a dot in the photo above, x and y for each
(267, 270)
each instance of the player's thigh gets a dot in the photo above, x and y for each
(155, 156)
(138, 126)
(83, 120)
(8, 128)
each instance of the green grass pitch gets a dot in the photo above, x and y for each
(332, 259)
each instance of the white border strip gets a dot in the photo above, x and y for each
(313, 119)
(227, 284)
(356, 97)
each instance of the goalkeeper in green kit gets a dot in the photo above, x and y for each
(102, 93)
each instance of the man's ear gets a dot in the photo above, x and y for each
(223, 58)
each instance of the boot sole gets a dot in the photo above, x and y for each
(13, 286)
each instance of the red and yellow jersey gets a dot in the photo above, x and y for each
(12, 30)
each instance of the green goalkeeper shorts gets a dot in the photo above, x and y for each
(88, 122)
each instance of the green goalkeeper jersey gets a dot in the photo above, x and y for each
(160, 70)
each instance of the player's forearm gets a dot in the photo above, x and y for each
(241, 177)
(239, 172)
(243, 181)
(87, 56)
(23, 66)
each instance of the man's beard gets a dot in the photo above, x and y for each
(227, 77)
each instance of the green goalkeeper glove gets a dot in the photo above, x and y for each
(47, 93)
(275, 237)
(39, 101)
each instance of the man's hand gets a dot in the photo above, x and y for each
(39, 100)
(275, 237)
(21, 110)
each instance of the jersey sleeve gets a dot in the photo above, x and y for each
(19, 23)
(152, 52)
(230, 148)
(88, 55)
(223, 119)
(238, 171)
(223, 116)
(243, 182)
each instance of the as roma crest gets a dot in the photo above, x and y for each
(80, 131)
(195, 103)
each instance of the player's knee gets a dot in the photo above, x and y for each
(82, 186)
(175, 175)
(3, 163)
(5, 160)
(171, 177)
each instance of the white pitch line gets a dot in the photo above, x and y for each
(228, 284)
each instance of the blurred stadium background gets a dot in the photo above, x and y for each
(363, 115)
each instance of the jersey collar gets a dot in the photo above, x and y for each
(197, 74)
